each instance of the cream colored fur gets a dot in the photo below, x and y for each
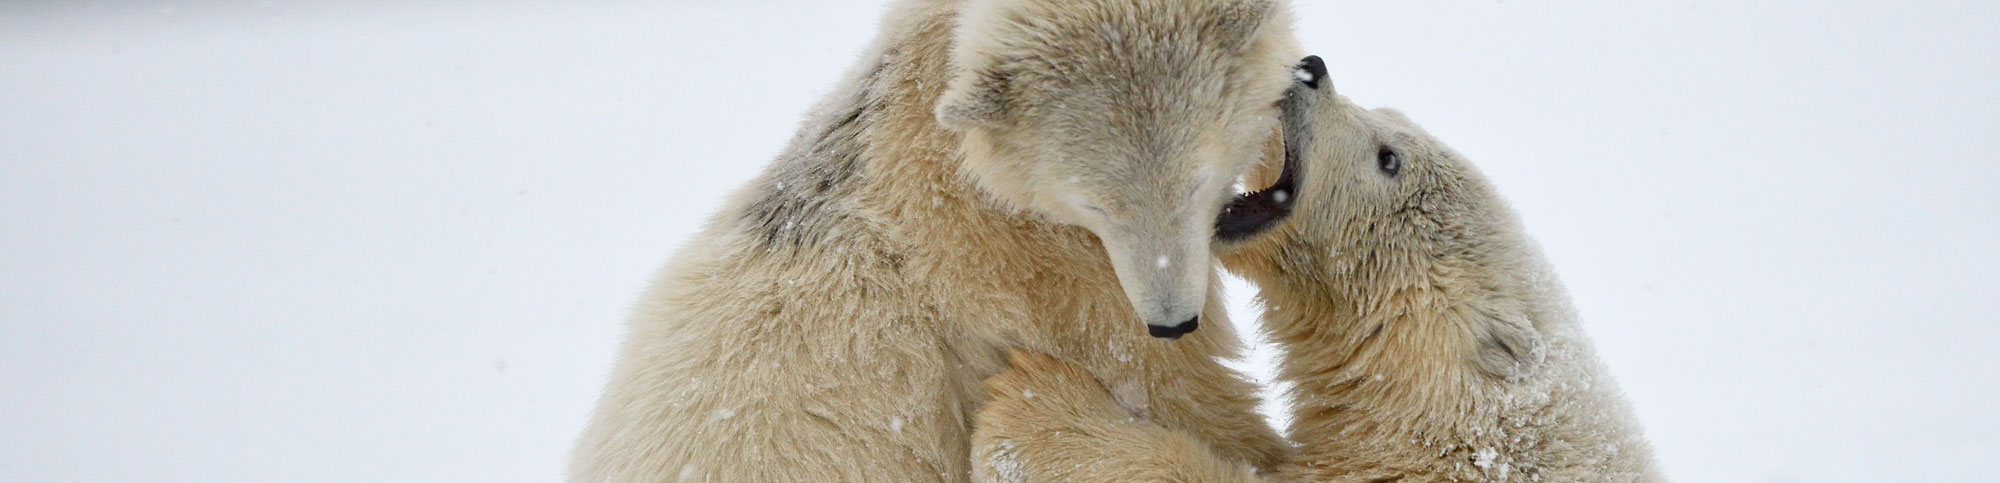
(833, 322)
(1143, 115)
(1425, 337)
(1061, 424)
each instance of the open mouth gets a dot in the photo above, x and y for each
(1253, 213)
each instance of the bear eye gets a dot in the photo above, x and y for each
(1388, 160)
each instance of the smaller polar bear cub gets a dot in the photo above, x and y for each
(1424, 335)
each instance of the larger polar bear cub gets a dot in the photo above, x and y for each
(994, 174)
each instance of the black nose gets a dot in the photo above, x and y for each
(1312, 70)
(1175, 332)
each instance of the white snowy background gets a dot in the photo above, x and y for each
(395, 241)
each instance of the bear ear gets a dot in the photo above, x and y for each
(1240, 21)
(1509, 347)
(976, 99)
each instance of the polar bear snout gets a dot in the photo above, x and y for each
(1164, 272)
(1176, 331)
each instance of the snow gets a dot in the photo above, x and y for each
(356, 242)
(1005, 467)
(1484, 457)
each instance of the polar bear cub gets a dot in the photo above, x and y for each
(992, 174)
(1426, 338)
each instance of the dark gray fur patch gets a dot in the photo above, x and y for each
(804, 190)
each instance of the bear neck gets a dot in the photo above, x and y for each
(1407, 393)
(1376, 346)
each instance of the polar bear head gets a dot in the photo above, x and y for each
(1132, 119)
(1388, 224)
